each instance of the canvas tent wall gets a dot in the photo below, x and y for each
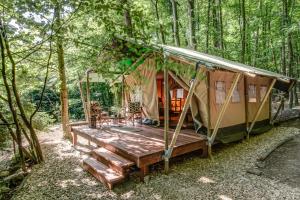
(238, 113)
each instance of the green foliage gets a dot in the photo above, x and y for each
(42, 121)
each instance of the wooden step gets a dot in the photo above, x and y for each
(102, 172)
(112, 160)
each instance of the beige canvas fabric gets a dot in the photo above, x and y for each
(235, 112)
(199, 100)
(144, 79)
(253, 106)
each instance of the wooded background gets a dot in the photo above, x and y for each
(53, 42)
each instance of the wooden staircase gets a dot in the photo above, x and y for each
(107, 166)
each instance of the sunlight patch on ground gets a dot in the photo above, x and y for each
(223, 197)
(204, 179)
(127, 195)
(66, 183)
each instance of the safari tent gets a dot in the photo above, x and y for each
(187, 101)
(229, 99)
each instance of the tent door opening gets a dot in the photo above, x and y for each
(177, 99)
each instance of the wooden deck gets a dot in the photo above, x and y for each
(143, 145)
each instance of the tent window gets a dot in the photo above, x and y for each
(252, 93)
(236, 95)
(263, 91)
(179, 93)
(220, 92)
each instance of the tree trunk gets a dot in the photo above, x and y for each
(283, 41)
(175, 22)
(127, 18)
(192, 23)
(62, 73)
(243, 30)
(208, 25)
(9, 96)
(161, 30)
(34, 138)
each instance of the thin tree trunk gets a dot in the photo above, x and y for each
(192, 23)
(127, 18)
(62, 73)
(208, 25)
(161, 30)
(175, 22)
(221, 27)
(37, 147)
(9, 96)
(243, 28)
(283, 41)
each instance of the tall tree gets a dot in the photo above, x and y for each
(208, 15)
(192, 24)
(62, 70)
(175, 22)
(127, 18)
(243, 30)
(161, 30)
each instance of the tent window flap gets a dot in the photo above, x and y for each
(220, 92)
(252, 93)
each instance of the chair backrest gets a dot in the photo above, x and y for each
(95, 108)
(134, 107)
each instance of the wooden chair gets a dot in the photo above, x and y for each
(134, 111)
(101, 116)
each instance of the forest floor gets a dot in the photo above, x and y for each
(224, 177)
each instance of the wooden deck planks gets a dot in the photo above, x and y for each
(144, 147)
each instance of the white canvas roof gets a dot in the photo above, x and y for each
(222, 63)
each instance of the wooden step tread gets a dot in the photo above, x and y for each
(113, 158)
(102, 170)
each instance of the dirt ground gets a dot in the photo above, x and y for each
(283, 165)
(224, 177)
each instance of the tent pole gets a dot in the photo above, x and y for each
(211, 139)
(83, 101)
(183, 113)
(278, 110)
(261, 107)
(246, 101)
(166, 112)
(208, 103)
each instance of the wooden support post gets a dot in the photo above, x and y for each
(88, 97)
(222, 112)
(166, 112)
(183, 113)
(74, 141)
(261, 107)
(83, 100)
(123, 92)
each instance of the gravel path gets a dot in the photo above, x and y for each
(224, 177)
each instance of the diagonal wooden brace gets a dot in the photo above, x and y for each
(222, 112)
(280, 107)
(261, 106)
(168, 153)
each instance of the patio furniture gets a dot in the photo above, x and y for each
(134, 111)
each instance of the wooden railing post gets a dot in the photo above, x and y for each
(261, 107)
(211, 139)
